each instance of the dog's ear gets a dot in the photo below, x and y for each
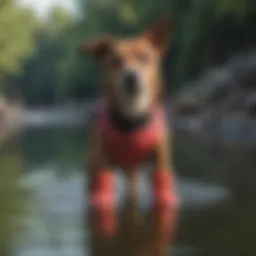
(99, 48)
(159, 34)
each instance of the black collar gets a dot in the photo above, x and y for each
(128, 125)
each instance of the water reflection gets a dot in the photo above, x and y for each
(14, 200)
(138, 233)
(217, 189)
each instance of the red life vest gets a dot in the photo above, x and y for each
(128, 149)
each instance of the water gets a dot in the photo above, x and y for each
(42, 196)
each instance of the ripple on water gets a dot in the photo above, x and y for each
(65, 193)
(56, 214)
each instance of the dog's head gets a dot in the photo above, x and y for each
(132, 80)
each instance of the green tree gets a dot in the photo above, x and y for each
(204, 34)
(17, 26)
(39, 79)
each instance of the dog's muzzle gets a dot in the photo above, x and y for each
(130, 83)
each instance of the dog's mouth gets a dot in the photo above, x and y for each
(126, 123)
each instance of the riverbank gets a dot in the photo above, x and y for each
(225, 129)
(11, 117)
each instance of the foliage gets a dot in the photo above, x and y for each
(17, 26)
(205, 33)
(39, 79)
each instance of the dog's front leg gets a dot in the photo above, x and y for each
(165, 198)
(102, 184)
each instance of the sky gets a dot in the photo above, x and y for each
(43, 6)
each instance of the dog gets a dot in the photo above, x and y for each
(129, 124)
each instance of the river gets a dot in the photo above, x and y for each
(42, 178)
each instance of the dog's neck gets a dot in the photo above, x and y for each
(125, 124)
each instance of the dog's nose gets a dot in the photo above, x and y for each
(131, 85)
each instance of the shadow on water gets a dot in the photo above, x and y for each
(217, 189)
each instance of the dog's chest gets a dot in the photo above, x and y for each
(130, 149)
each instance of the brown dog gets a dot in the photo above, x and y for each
(130, 127)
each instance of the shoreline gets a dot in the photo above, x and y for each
(226, 128)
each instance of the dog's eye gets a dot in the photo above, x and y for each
(142, 57)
